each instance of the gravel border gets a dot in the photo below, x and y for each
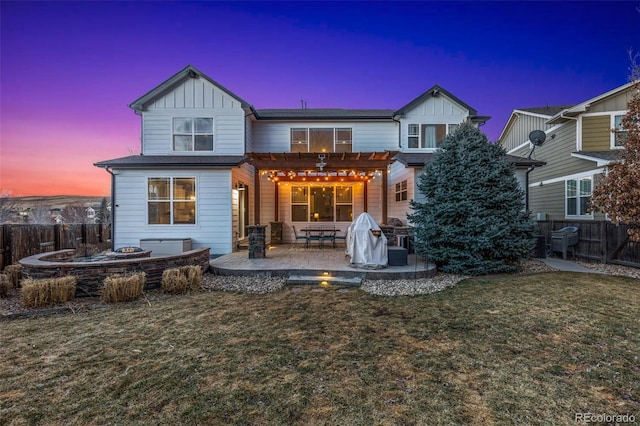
(12, 307)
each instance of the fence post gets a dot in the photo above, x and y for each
(604, 244)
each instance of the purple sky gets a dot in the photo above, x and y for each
(69, 69)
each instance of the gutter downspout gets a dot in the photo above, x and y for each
(393, 117)
(526, 186)
(113, 207)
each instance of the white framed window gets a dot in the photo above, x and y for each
(322, 203)
(428, 135)
(321, 139)
(578, 197)
(192, 134)
(619, 134)
(401, 191)
(171, 201)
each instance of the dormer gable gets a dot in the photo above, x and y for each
(188, 88)
(439, 101)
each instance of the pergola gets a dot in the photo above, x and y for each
(321, 167)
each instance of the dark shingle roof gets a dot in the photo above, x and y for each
(612, 155)
(419, 159)
(323, 113)
(173, 161)
(546, 110)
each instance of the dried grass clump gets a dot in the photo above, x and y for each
(5, 285)
(49, 291)
(181, 280)
(123, 288)
(14, 272)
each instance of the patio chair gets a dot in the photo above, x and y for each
(328, 235)
(342, 237)
(300, 237)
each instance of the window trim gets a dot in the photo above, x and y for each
(402, 193)
(308, 130)
(615, 131)
(171, 200)
(335, 202)
(577, 197)
(448, 129)
(193, 135)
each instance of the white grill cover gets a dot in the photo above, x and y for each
(365, 249)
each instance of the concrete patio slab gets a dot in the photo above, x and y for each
(287, 260)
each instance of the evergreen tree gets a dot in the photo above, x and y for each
(472, 221)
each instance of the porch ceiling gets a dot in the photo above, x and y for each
(335, 162)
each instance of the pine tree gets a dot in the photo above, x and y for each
(618, 193)
(472, 221)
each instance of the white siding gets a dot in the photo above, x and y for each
(213, 205)
(367, 136)
(434, 110)
(194, 98)
(245, 175)
(397, 174)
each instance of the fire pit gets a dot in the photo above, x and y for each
(129, 252)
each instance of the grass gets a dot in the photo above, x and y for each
(527, 350)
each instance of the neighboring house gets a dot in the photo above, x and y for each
(581, 141)
(211, 164)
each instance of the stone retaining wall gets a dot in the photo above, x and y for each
(92, 274)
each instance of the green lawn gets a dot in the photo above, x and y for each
(532, 349)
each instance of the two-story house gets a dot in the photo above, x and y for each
(581, 141)
(211, 164)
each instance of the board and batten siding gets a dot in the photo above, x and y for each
(367, 136)
(213, 210)
(434, 110)
(618, 102)
(194, 98)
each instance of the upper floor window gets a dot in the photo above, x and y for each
(426, 135)
(619, 135)
(578, 196)
(192, 134)
(171, 200)
(401, 191)
(321, 140)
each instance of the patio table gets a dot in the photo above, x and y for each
(320, 234)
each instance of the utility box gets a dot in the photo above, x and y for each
(166, 246)
(397, 256)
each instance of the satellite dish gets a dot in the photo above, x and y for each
(537, 137)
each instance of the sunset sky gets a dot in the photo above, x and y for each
(69, 69)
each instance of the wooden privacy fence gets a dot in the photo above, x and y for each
(599, 241)
(19, 241)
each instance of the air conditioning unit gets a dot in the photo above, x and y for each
(541, 217)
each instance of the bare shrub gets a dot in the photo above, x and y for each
(43, 292)
(14, 272)
(181, 280)
(5, 285)
(123, 288)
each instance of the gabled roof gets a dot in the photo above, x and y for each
(547, 111)
(419, 159)
(584, 106)
(187, 72)
(323, 114)
(432, 93)
(170, 161)
(542, 112)
(602, 158)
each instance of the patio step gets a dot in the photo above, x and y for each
(323, 280)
